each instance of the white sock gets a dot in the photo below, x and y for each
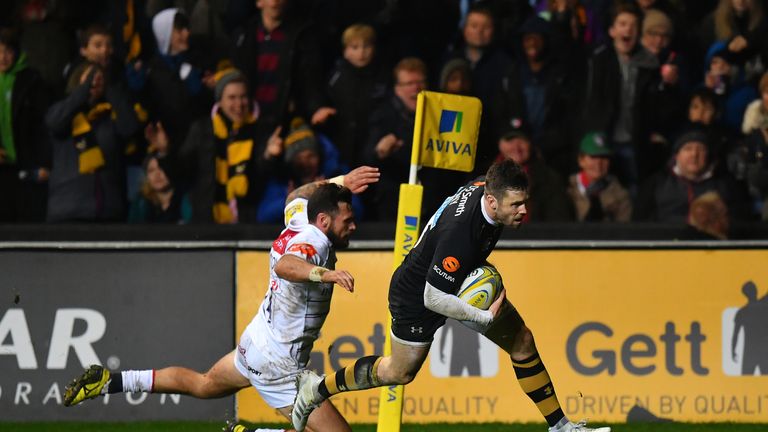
(138, 381)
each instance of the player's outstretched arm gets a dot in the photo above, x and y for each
(454, 307)
(356, 180)
(295, 269)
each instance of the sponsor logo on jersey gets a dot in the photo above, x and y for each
(303, 248)
(442, 273)
(291, 211)
(451, 264)
(461, 198)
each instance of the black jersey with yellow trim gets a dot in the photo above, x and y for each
(457, 239)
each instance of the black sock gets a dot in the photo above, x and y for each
(115, 382)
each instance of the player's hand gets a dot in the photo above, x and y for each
(497, 304)
(342, 278)
(359, 178)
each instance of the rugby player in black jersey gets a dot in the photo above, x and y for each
(457, 239)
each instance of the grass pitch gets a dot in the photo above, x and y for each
(434, 427)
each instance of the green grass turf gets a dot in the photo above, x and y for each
(488, 427)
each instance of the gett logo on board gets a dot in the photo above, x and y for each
(638, 354)
(744, 335)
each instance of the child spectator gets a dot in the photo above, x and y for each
(596, 195)
(89, 129)
(175, 89)
(726, 79)
(703, 114)
(357, 84)
(160, 201)
(24, 144)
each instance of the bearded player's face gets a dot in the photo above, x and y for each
(342, 226)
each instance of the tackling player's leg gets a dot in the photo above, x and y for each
(509, 332)
(326, 418)
(221, 380)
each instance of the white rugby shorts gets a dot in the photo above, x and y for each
(269, 367)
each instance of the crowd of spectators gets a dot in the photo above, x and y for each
(163, 111)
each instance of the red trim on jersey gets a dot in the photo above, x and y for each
(281, 242)
(304, 249)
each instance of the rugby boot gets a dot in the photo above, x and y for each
(307, 399)
(87, 386)
(568, 426)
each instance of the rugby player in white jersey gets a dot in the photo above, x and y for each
(275, 347)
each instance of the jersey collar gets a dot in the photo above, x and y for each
(485, 213)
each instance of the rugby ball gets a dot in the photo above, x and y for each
(481, 287)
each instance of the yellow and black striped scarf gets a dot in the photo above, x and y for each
(91, 157)
(234, 149)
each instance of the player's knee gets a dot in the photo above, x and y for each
(206, 388)
(403, 377)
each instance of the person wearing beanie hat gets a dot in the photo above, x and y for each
(666, 196)
(308, 157)
(726, 78)
(456, 77)
(228, 155)
(300, 138)
(597, 196)
(223, 78)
